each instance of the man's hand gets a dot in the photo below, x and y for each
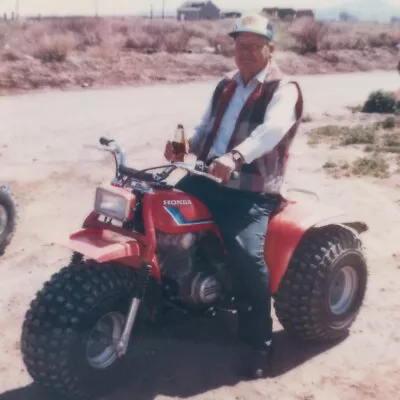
(169, 154)
(223, 167)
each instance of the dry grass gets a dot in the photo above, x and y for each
(306, 118)
(387, 143)
(306, 35)
(382, 133)
(87, 49)
(380, 140)
(337, 169)
(343, 135)
(360, 36)
(303, 35)
(124, 33)
(389, 123)
(359, 135)
(375, 165)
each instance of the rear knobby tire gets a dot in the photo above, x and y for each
(8, 207)
(61, 318)
(305, 303)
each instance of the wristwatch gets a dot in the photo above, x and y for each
(237, 157)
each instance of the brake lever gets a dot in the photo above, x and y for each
(203, 167)
(206, 175)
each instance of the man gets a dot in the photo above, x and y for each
(248, 127)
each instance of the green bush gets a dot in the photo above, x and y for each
(381, 102)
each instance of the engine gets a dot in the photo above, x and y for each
(189, 268)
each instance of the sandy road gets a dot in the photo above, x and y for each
(44, 154)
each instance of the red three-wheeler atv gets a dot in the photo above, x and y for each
(126, 270)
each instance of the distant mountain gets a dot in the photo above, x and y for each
(364, 10)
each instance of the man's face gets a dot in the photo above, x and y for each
(252, 52)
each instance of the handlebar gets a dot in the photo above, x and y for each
(114, 147)
(134, 173)
(105, 142)
(200, 169)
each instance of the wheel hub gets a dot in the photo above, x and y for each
(3, 219)
(101, 346)
(343, 290)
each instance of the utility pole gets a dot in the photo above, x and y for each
(96, 8)
(163, 8)
(151, 11)
(17, 9)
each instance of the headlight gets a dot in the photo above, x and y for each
(114, 202)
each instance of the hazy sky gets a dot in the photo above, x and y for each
(137, 6)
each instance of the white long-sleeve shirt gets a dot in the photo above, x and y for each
(280, 116)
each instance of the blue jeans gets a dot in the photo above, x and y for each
(242, 218)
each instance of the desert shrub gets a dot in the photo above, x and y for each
(308, 35)
(142, 42)
(170, 36)
(330, 164)
(324, 133)
(374, 165)
(79, 25)
(178, 41)
(53, 48)
(344, 135)
(359, 36)
(222, 44)
(358, 135)
(384, 39)
(328, 131)
(10, 55)
(380, 102)
(89, 32)
(389, 123)
(337, 169)
(392, 140)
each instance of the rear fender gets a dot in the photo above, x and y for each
(103, 245)
(357, 227)
(287, 227)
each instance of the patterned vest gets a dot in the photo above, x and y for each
(265, 174)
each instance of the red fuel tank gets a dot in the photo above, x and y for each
(177, 212)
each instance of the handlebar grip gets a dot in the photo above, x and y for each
(104, 141)
(134, 173)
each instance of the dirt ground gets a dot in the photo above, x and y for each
(47, 158)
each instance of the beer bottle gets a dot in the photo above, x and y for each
(179, 144)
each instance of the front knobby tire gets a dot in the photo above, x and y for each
(323, 288)
(81, 307)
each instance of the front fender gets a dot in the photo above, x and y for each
(104, 245)
(287, 227)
